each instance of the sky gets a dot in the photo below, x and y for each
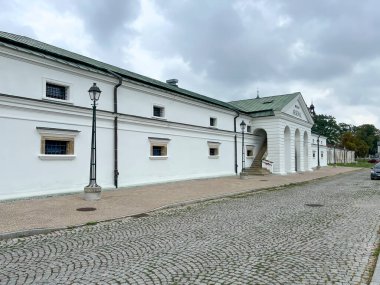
(329, 50)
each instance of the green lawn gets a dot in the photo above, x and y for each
(364, 164)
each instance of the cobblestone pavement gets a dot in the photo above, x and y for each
(270, 237)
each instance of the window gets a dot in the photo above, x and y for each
(158, 111)
(56, 143)
(322, 154)
(212, 122)
(249, 151)
(313, 153)
(58, 147)
(56, 91)
(249, 129)
(158, 148)
(213, 149)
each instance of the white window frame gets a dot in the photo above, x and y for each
(68, 87)
(162, 142)
(60, 135)
(162, 107)
(251, 148)
(250, 131)
(216, 145)
(215, 122)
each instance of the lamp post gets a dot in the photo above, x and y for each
(242, 126)
(334, 156)
(319, 165)
(92, 191)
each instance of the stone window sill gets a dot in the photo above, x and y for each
(57, 156)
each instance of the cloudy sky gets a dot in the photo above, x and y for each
(329, 50)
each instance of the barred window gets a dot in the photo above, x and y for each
(212, 122)
(56, 147)
(56, 91)
(158, 111)
(158, 148)
(213, 149)
(57, 143)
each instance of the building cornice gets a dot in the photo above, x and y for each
(56, 107)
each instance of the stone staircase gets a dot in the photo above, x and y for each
(256, 166)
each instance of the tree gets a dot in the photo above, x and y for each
(327, 126)
(352, 142)
(370, 135)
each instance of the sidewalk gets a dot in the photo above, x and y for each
(26, 217)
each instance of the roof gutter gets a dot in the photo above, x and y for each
(115, 128)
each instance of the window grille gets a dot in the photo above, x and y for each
(213, 151)
(56, 91)
(158, 111)
(56, 147)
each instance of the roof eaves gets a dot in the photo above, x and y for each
(123, 73)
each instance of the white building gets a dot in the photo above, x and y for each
(147, 131)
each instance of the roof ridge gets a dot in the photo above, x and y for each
(294, 93)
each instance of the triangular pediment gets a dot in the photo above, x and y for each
(297, 108)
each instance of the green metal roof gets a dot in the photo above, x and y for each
(51, 52)
(265, 104)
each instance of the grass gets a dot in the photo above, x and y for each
(363, 164)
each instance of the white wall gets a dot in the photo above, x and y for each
(323, 151)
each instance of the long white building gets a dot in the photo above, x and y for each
(148, 131)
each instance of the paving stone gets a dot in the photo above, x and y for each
(265, 238)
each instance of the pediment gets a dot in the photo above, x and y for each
(297, 108)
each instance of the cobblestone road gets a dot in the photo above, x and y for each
(270, 237)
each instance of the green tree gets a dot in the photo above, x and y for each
(370, 135)
(327, 126)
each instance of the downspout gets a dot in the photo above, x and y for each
(115, 128)
(236, 165)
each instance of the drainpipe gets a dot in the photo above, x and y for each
(115, 128)
(236, 165)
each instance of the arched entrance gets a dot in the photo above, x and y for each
(306, 151)
(287, 150)
(297, 152)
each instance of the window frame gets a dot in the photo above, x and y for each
(250, 129)
(55, 134)
(213, 145)
(215, 120)
(158, 142)
(249, 148)
(66, 85)
(162, 110)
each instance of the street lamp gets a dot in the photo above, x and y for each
(92, 191)
(319, 165)
(242, 126)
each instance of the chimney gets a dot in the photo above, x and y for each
(172, 82)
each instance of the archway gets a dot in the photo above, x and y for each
(287, 150)
(306, 150)
(297, 152)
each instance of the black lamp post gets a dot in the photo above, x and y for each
(319, 165)
(92, 191)
(242, 126)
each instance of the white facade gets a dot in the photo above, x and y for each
(191, 147)
(321, 150)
